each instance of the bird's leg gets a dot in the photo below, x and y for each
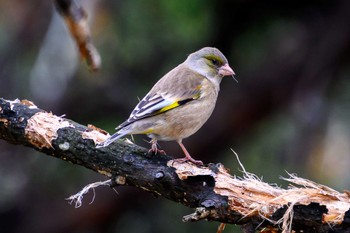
(154, 149)
(187, 155)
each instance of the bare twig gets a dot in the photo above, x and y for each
(75, 18)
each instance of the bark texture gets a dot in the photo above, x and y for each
(215, 194)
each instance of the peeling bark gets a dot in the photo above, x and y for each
(215, 194)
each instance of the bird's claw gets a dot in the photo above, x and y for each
(183, 160)
(154, 149)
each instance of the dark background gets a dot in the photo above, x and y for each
(289, 112)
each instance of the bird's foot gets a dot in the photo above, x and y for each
(154, 148)
(190, 159)
(156, 151)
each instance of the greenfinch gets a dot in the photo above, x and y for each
(180, 103)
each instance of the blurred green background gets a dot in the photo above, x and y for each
(290, 110)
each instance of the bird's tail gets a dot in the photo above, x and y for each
(111, 139)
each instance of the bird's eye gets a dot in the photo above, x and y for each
(215, 62)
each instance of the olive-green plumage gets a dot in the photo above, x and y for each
(180, 102)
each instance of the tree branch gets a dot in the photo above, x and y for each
(216, 195)
(75, 18)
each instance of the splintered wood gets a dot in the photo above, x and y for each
(250, 196)
(95, 133)
(42, 129)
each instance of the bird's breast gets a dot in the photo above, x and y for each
(185, 120)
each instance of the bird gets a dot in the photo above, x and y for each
(180, 103)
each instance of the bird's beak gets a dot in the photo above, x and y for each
(226, 70)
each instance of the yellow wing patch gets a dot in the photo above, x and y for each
(181, 102)
(148, 131)
(171, 106)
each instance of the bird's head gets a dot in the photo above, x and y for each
(211, 63)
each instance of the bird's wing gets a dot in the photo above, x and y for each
(170, 92)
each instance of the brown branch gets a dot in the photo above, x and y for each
(216, 195)
(75, 19)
